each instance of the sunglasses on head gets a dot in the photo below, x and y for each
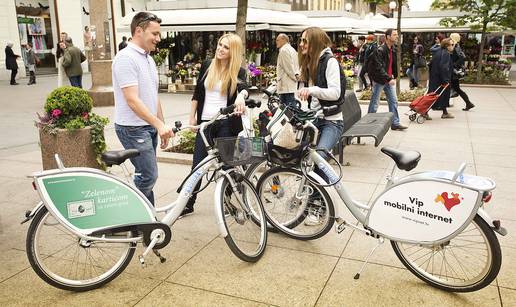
(150, 17)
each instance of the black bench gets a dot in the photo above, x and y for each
(373, 125)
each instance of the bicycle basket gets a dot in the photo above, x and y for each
(235, 151)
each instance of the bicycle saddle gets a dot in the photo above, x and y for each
(117, 157)
(404, 160)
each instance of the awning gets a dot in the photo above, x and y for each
(222, 19)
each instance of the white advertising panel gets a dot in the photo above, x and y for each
(424, 211)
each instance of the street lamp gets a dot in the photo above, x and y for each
(348, 7)
(392, 6)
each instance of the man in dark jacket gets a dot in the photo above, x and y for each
(10, 62)
(382, 69)
(72, 59)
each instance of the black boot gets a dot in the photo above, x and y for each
(469, 106)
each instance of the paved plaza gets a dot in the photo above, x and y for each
(202, 271)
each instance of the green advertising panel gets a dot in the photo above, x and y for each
(91, 201)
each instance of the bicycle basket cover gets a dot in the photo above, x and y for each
(281, 131)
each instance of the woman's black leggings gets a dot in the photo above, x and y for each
(455, 85)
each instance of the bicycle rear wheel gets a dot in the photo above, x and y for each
(245, 222)
(65, 261)
(468, 262)
(306, 216)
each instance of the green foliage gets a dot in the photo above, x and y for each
(160, 57)
(483, 15)
(407, 95)
(70, 108)
(76, 123)
(489, 75)
(186, 142)
(72, 101)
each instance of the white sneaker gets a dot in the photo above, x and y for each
(313, 219)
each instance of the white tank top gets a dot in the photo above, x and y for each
(213, 101)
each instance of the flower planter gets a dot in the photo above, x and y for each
(73, 147)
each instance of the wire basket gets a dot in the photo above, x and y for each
(240, 150)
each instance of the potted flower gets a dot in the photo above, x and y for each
(70, 129)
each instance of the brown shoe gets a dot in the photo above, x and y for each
(398, 127)
(447, 115)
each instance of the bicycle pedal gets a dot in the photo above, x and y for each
(340, 228)
(142, 261)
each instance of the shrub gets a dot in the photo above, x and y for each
(70, 108)
(406, 95)
(186, 143)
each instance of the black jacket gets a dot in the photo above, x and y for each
(377, 65)
(200, 95)
(10, 59)
(458, 60)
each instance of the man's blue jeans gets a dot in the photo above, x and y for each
(145, 139)
(288, 99)
(392, 101)
(76, 81)
(330, 132)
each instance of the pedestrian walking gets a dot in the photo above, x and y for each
(10, 62)
(123, 43)
(459, 71)
(72, 59)
(382, 68)
(32, 60)
(287, 70)
(369, 47)
(138, 112)
(417, 62)
(222, 83)
(61, 46)
(362, 45)
(440, 74)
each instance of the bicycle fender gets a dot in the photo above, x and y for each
(494, 224)
(217, 202)
(30, 214)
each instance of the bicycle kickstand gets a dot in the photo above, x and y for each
(380, 242)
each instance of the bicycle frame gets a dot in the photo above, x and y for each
(379, 223)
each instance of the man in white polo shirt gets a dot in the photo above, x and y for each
(138, 114)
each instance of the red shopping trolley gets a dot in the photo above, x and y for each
(421, 105)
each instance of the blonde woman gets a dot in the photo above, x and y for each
(222, 83)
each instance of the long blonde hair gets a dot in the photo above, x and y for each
(318, 40)
(228, 75)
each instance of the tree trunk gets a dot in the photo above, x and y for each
(481, 52)
(400, 2)
(240, 24)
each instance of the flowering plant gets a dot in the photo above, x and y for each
(70, 108)
(255, 71)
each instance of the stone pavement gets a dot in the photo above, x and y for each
(202, 271)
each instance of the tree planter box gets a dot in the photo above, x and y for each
(73, 147)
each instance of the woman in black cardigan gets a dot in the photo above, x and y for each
(222, 83)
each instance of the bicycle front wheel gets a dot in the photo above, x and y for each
(468, 262)
(244, 220)
(301, 212)
(65, 261)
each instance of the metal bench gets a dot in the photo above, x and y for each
(373, 125)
